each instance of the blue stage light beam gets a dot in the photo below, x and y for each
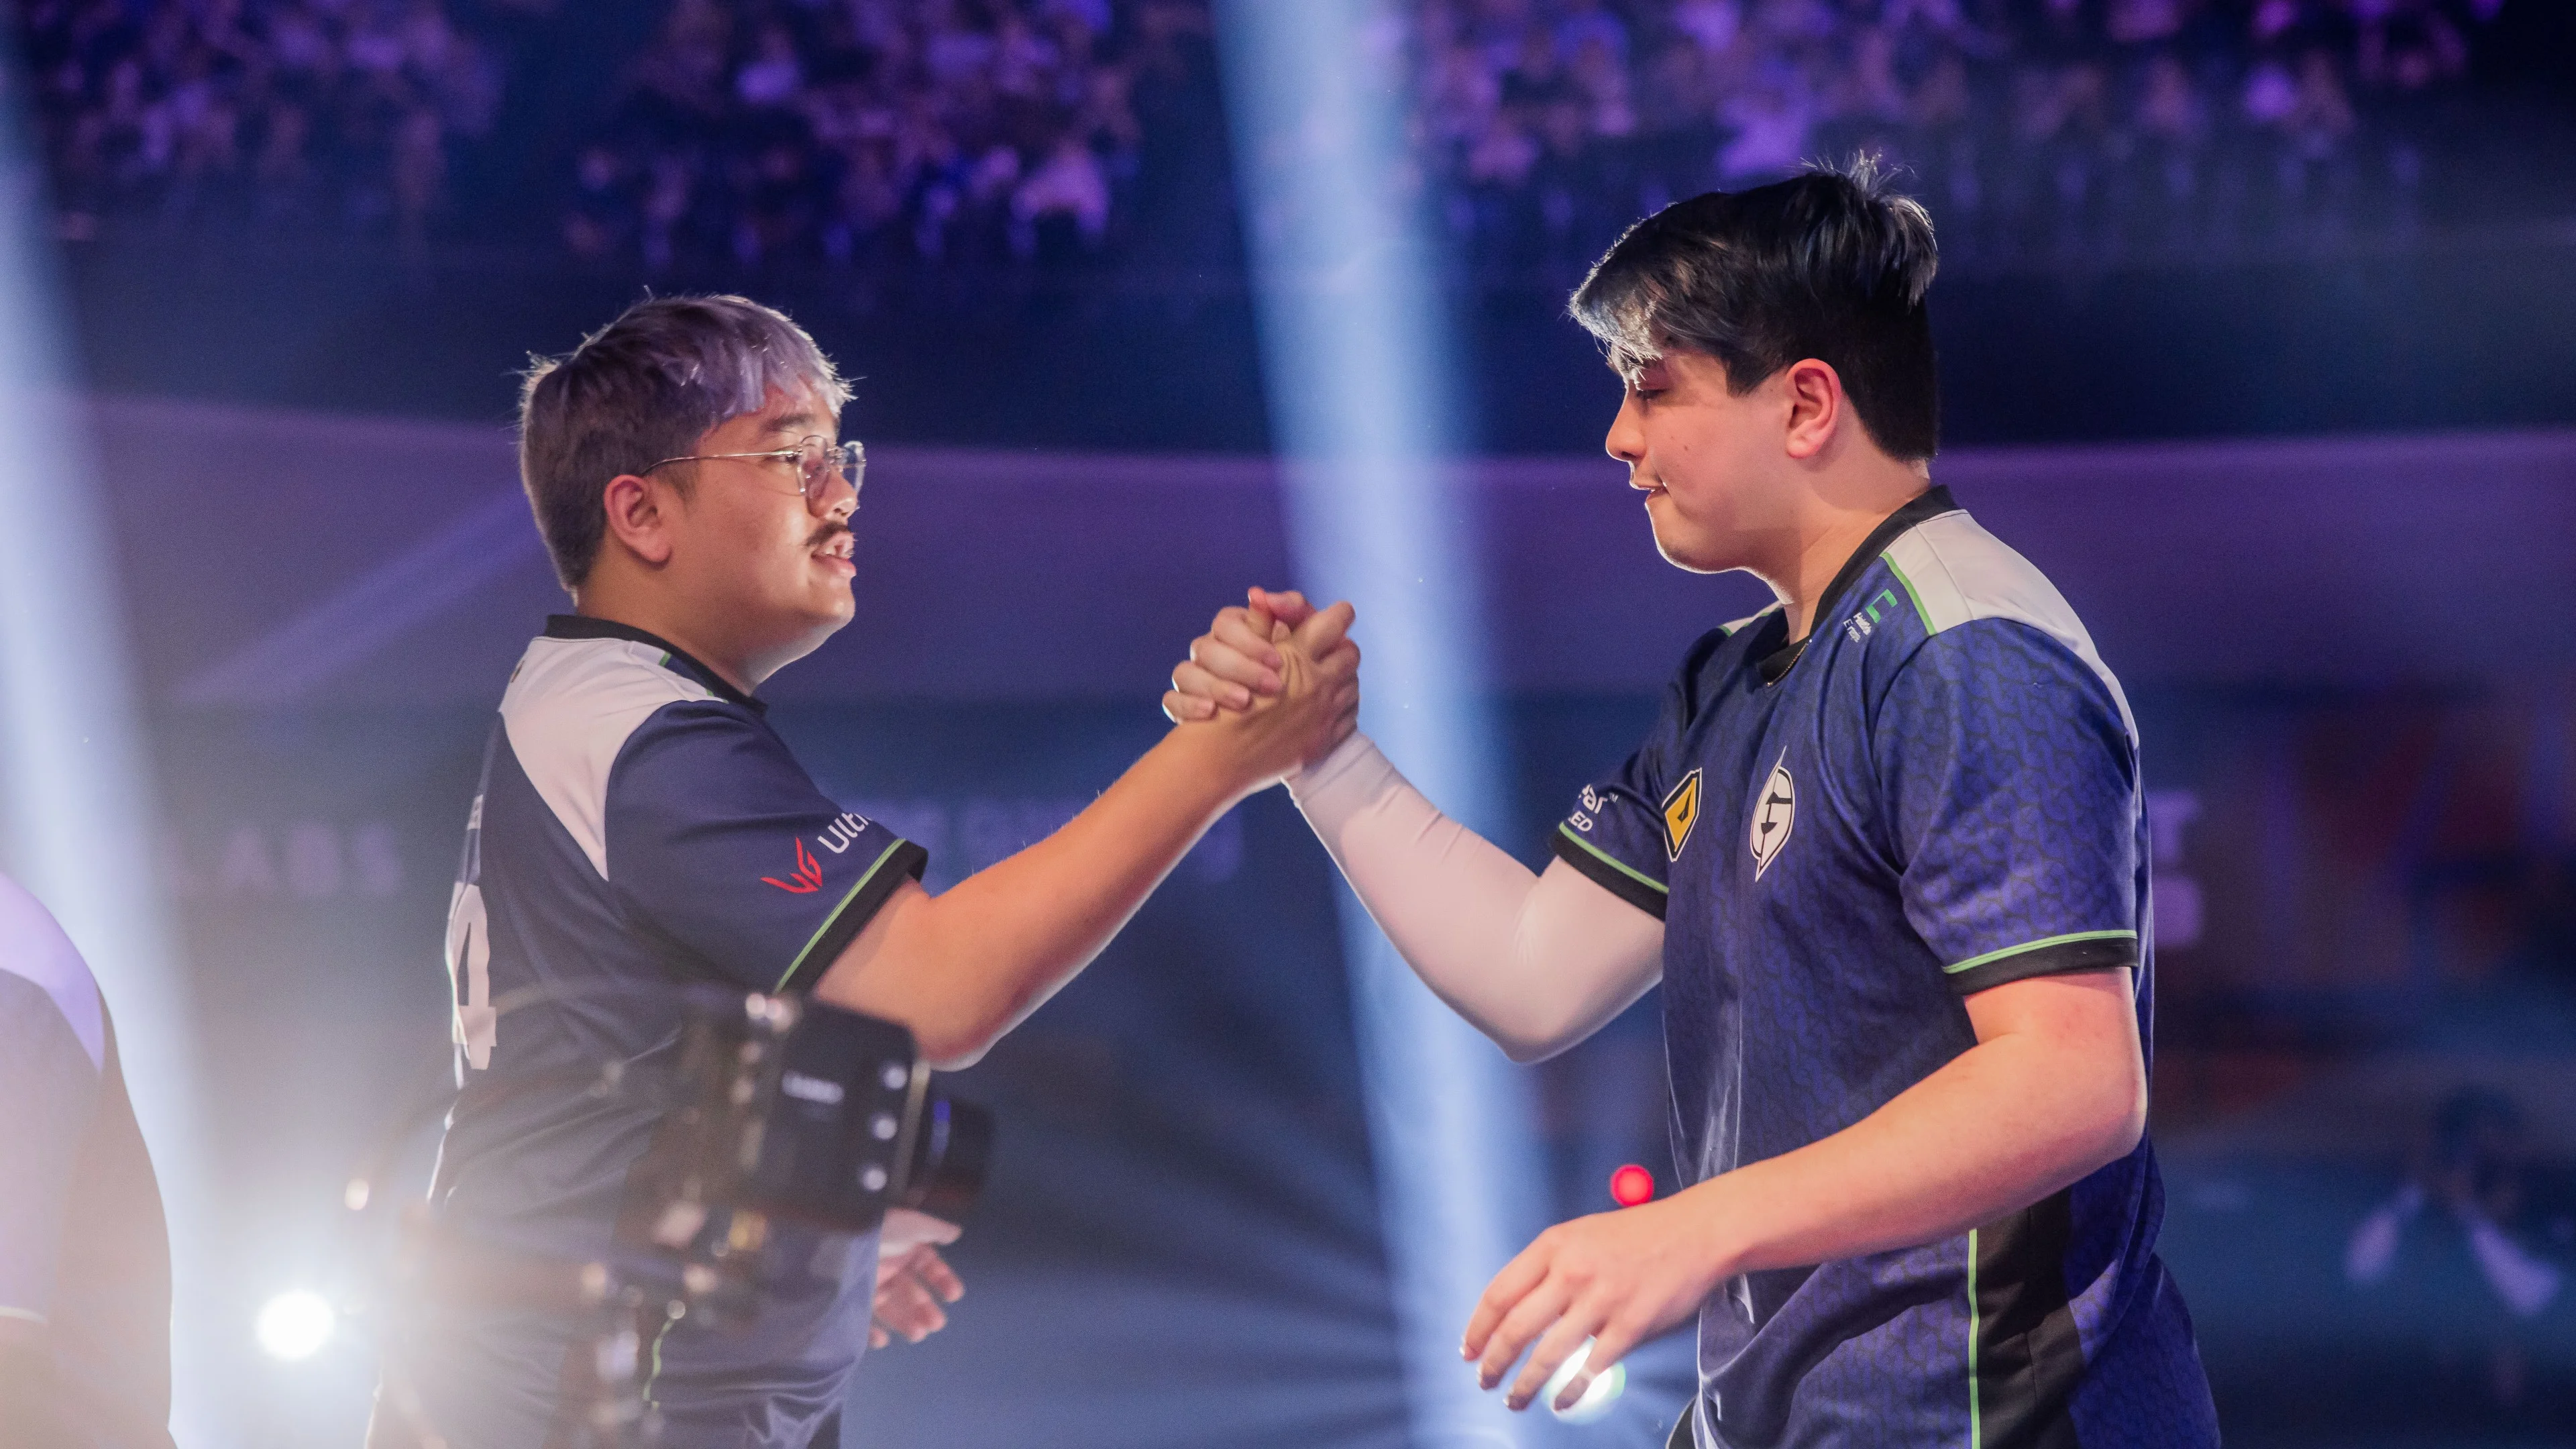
(1359, 370)
(79, 829)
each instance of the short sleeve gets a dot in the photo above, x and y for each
(2013, 784)
(720, 842)
(52, 1088)
(1625, 831)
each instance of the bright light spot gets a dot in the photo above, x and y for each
(1596, 1400)
(295, 1325)
(1631, 1185)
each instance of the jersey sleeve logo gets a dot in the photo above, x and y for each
(808, 877)
(1681, 812)
(1775, 814)
(1865, 623)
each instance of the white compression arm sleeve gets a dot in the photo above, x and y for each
(1537, 962)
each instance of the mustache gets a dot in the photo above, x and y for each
(826, 533)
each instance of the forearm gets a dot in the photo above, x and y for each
(963, 967)
(1535, 962)
(2002, 1126)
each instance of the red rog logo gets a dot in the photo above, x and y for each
(809, 873)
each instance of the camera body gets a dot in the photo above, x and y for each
(788, 1109)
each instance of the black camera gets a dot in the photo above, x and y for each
(785, 1108)
(778, 1109)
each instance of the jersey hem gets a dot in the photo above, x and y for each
(900, 862)
(1612, 875)
(2053, 956)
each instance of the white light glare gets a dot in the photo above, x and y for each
(295, 1325)
(1597, 1399)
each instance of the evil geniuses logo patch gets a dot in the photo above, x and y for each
(1681, 812)
(1775, 814)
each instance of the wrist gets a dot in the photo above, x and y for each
(1213, 762)
(1355, 761)
(1716, 1246)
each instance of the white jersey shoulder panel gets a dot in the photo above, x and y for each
(33, 946)
(1738, 626)
(1957, 571)
(570, 706)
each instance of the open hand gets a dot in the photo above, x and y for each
(1618, 1278)
(1238, 658)
(913, 1281)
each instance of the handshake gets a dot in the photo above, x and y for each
(1278, 677)
(1271, 687)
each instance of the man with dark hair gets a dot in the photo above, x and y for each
(84, 1252)
(1884, 849)
(639, 822)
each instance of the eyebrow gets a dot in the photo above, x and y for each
(798, 423)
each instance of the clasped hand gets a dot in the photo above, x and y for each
(1307, 670)
(1239, 660)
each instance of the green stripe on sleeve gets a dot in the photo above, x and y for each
(1920, 612)
(1658, 887)
(1976, 1420)
(1973, 962)
(835, 914)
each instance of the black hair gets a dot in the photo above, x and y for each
(1830, 264)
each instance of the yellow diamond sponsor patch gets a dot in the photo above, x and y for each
(1681, 812)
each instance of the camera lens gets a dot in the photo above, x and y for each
(949, 1152)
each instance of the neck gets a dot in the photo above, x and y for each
(654, 612)
(1838, 525)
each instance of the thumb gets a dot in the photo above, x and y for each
(1319, 635)
(906, 1229)
(1287, 606)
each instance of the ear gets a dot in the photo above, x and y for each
(639, 518)
(1817, 405)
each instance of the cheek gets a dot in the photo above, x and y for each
(774, 536)
(1691, 473)
(1706, 476)
(762, 547)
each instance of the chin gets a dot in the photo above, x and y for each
(829, 620)
(1682, 554)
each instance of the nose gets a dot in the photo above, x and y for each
(840, 496)
(1627, 440)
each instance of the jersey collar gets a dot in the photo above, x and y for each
(1931, 504)
(582, 626)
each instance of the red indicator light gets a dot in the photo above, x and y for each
(1631, 1185)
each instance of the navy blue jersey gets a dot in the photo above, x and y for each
(1936, 793)
(639, 823)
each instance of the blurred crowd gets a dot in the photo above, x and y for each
(951, 132)
(923, 131)
(291, 113)
(1544, 125)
